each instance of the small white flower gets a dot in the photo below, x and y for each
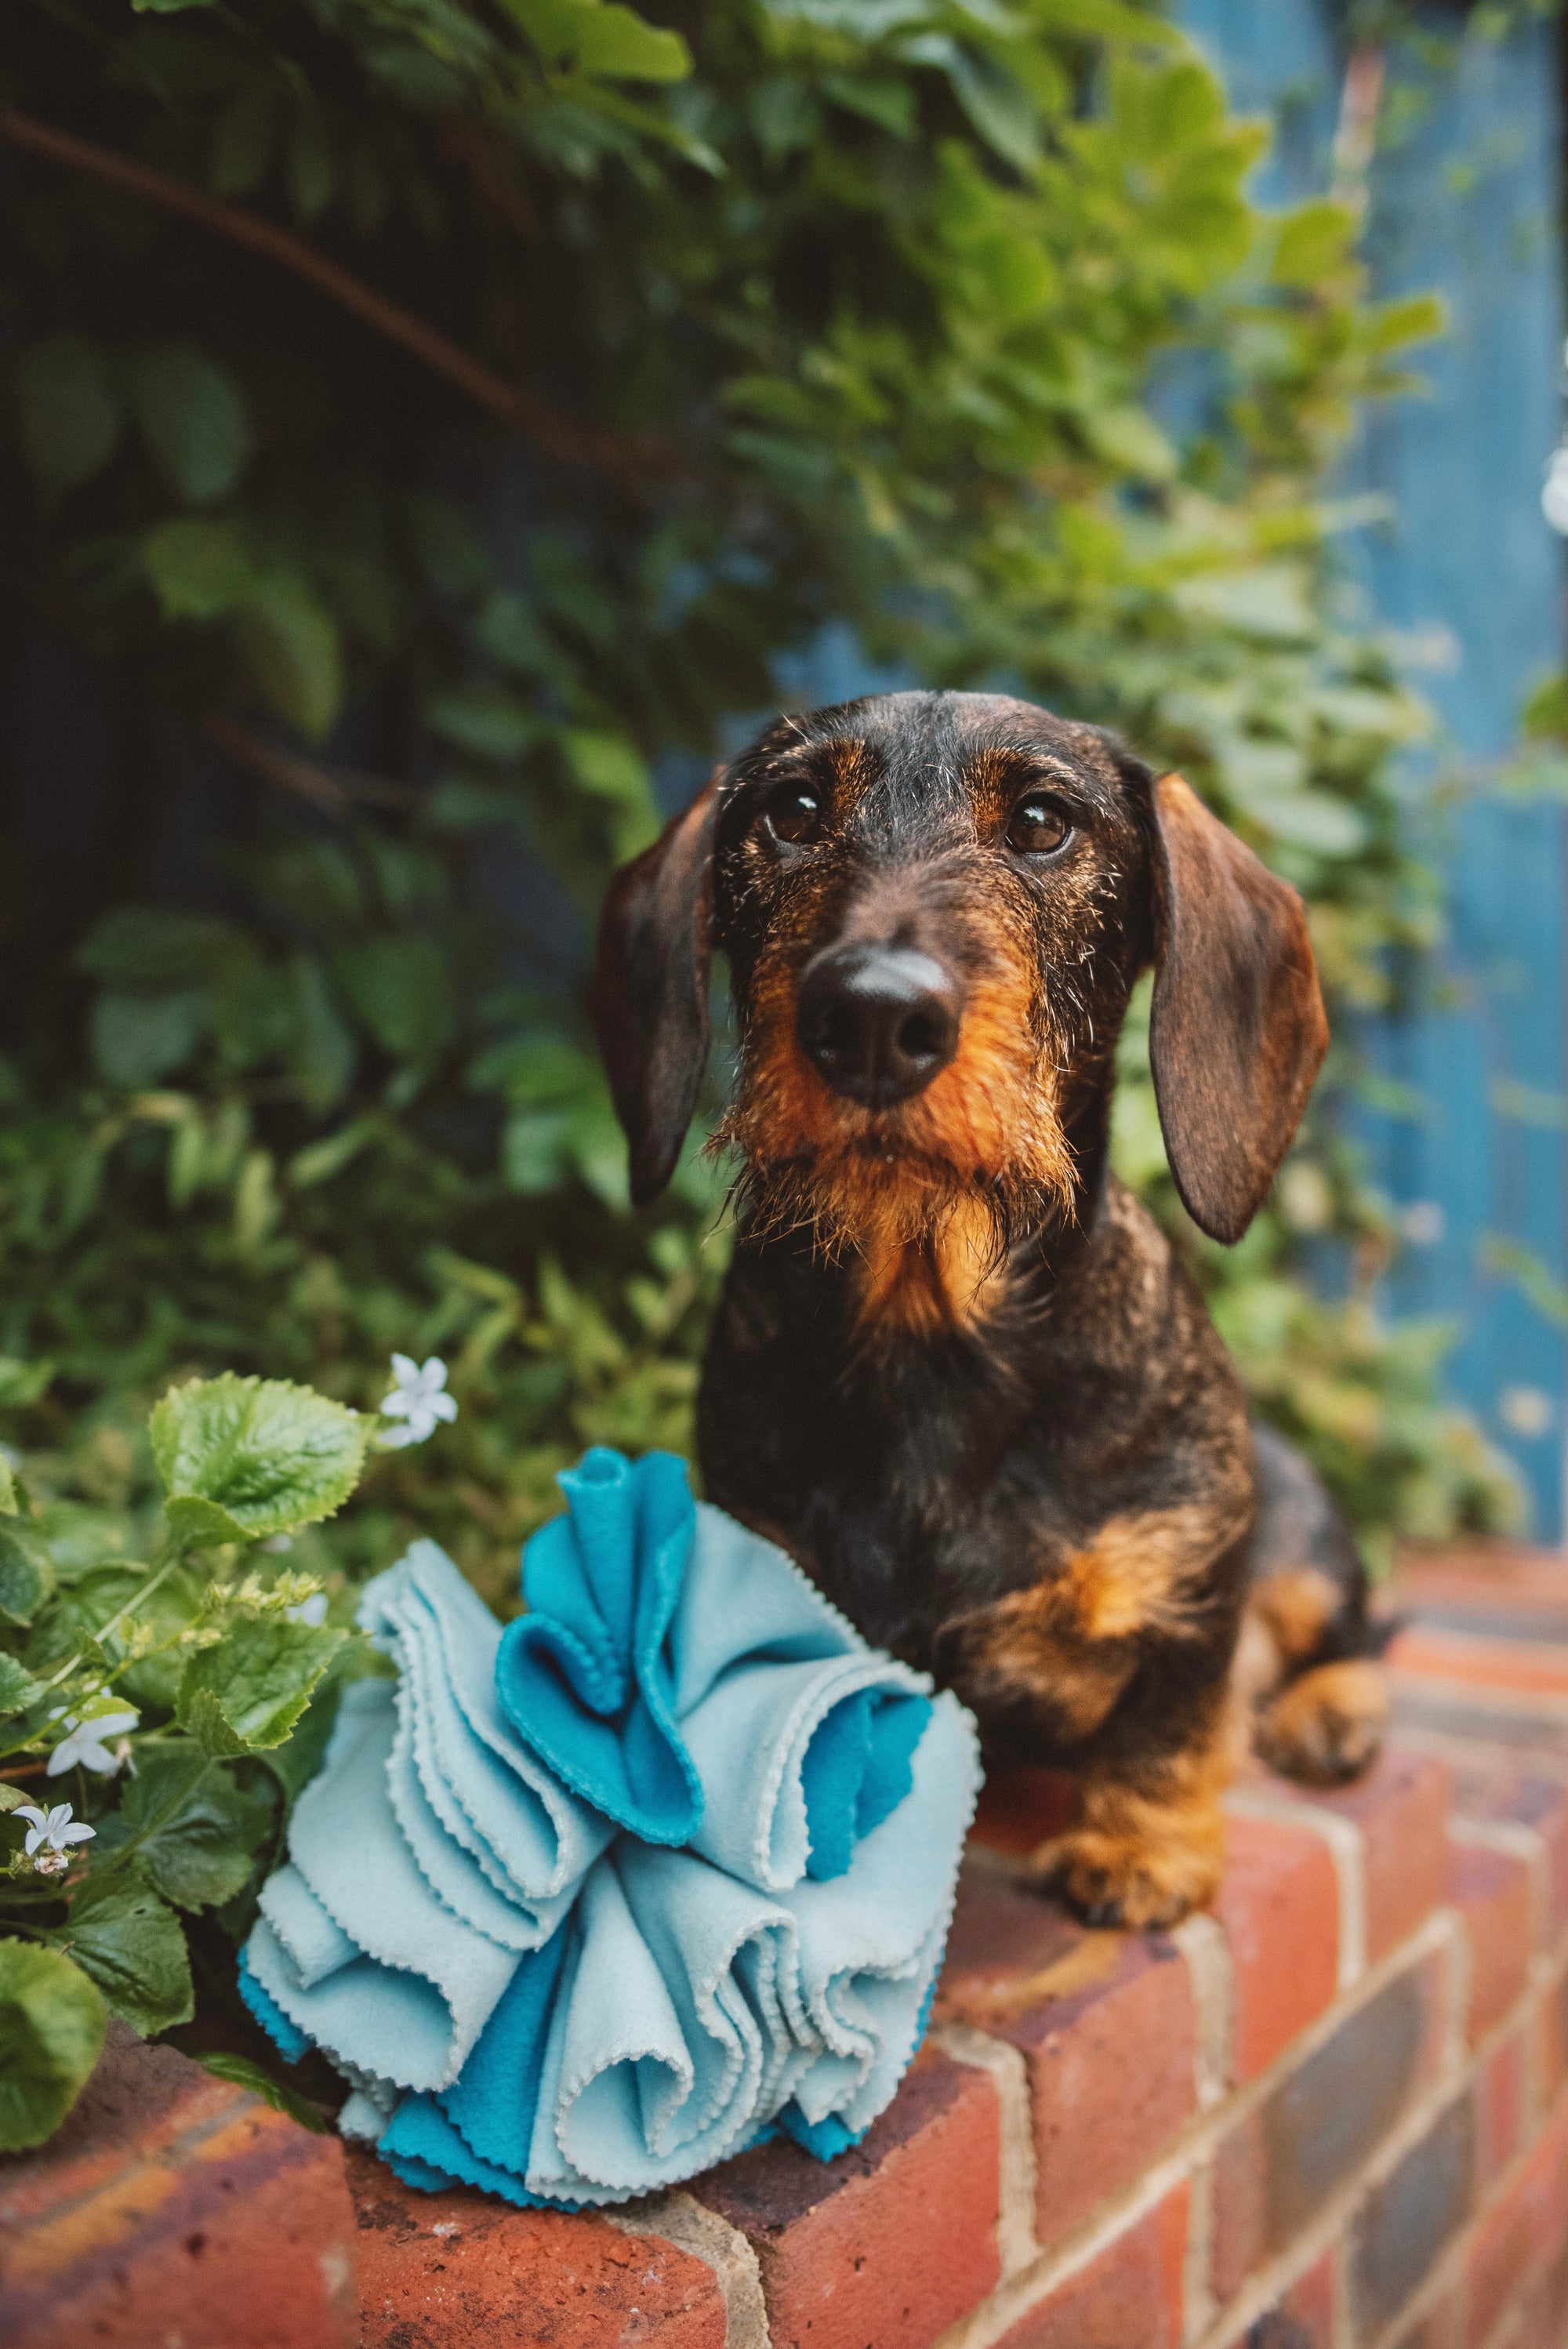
(311, 1610)
(56, 1831)
(418, 1397)
(86, 1735)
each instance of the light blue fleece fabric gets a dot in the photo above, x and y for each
(584, 1907)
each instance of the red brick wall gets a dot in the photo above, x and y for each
(1332, 2114)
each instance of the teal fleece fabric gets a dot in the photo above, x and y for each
(585, 1906)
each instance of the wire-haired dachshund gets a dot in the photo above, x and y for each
(957, 1370)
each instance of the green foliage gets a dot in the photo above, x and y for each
(242, 2074)
(243, 1458)
(212, 1670)
(52, 2024)
(786, 313)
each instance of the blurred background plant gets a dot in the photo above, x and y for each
(432, 432)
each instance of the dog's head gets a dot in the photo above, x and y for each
(935, 907)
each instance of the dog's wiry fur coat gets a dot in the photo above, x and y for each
(957, 1370)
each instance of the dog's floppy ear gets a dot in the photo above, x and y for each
(649, 996)
(1237, 1029)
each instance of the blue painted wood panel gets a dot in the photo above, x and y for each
(1464, 201)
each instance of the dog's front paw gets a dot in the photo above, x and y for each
(1122, 1880)
(1327, 1726)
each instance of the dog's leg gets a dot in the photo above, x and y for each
(1048, 1666)
(1150, 1845)
(1313, 1716)
(1326, 1726)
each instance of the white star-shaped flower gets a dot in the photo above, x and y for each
(419, 1398)
(85, 1736)
(55, 1831)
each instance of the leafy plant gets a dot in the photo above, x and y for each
(430, 429)
(220, 1671)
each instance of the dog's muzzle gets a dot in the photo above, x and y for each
(877, 1022)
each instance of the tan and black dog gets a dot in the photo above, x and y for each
(958, 1371)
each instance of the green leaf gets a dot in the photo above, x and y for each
(133, 1946)
(158, 946)
(198, 569)
(137, 1039)
(69, 415)
(291, 647)
(21, 1383)
(26, 1569)
(997, 106)
(8, 1503)
(52, 2023)
(601, 39)
(295, 1762)
(18, 1689)
(1545, 712)
(608, 768)
(196, 1830)
(321, 1052)
(270, 1454)
(242, 136)
(1315, 241)
(240, 2072)
(246, 1695)
(534, 1150)
(318, 1162)
(200, 1524)
(400, 983)
(489, 723)
(194, 418)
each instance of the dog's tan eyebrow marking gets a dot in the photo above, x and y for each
(847, 754)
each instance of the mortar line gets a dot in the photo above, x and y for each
(1017, 2246)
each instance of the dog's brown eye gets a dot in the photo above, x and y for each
(1039, 825)
(795, 814)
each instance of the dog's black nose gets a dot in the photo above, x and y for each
(877, 1021)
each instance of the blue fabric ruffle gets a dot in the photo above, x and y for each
(583, 1907)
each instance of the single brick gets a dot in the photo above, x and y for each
(1401, 1808)
(1129, 2296)
(1106, 2024)
(1499, 1587)
(1491, 1892)
(1276, 2169)
(1522, 2230)
(890, 2243)
(1279, 1907)
(1500, 2094)
(1408, 2219)
(451, 2269)
(171, 2204)
(1518, 1667)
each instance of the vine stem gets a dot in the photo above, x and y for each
(483, 385)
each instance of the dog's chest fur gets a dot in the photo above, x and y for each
(920, 1479)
